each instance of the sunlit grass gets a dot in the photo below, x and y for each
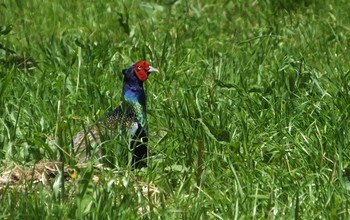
(264, 85)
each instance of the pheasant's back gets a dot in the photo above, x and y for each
(127, 116)
(127, 119)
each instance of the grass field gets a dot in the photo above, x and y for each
(260, 87)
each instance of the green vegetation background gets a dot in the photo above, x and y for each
(263, 84)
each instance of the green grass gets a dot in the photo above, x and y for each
(264, 85)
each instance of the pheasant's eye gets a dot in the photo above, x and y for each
(139, 67)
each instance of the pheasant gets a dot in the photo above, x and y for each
(130, 115)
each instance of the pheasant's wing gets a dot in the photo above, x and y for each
(133, 119)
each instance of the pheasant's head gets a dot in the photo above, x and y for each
(138, 71)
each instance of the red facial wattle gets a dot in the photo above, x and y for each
(141, 69)
(141, 74)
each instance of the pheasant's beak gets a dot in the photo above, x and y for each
(152, 70)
